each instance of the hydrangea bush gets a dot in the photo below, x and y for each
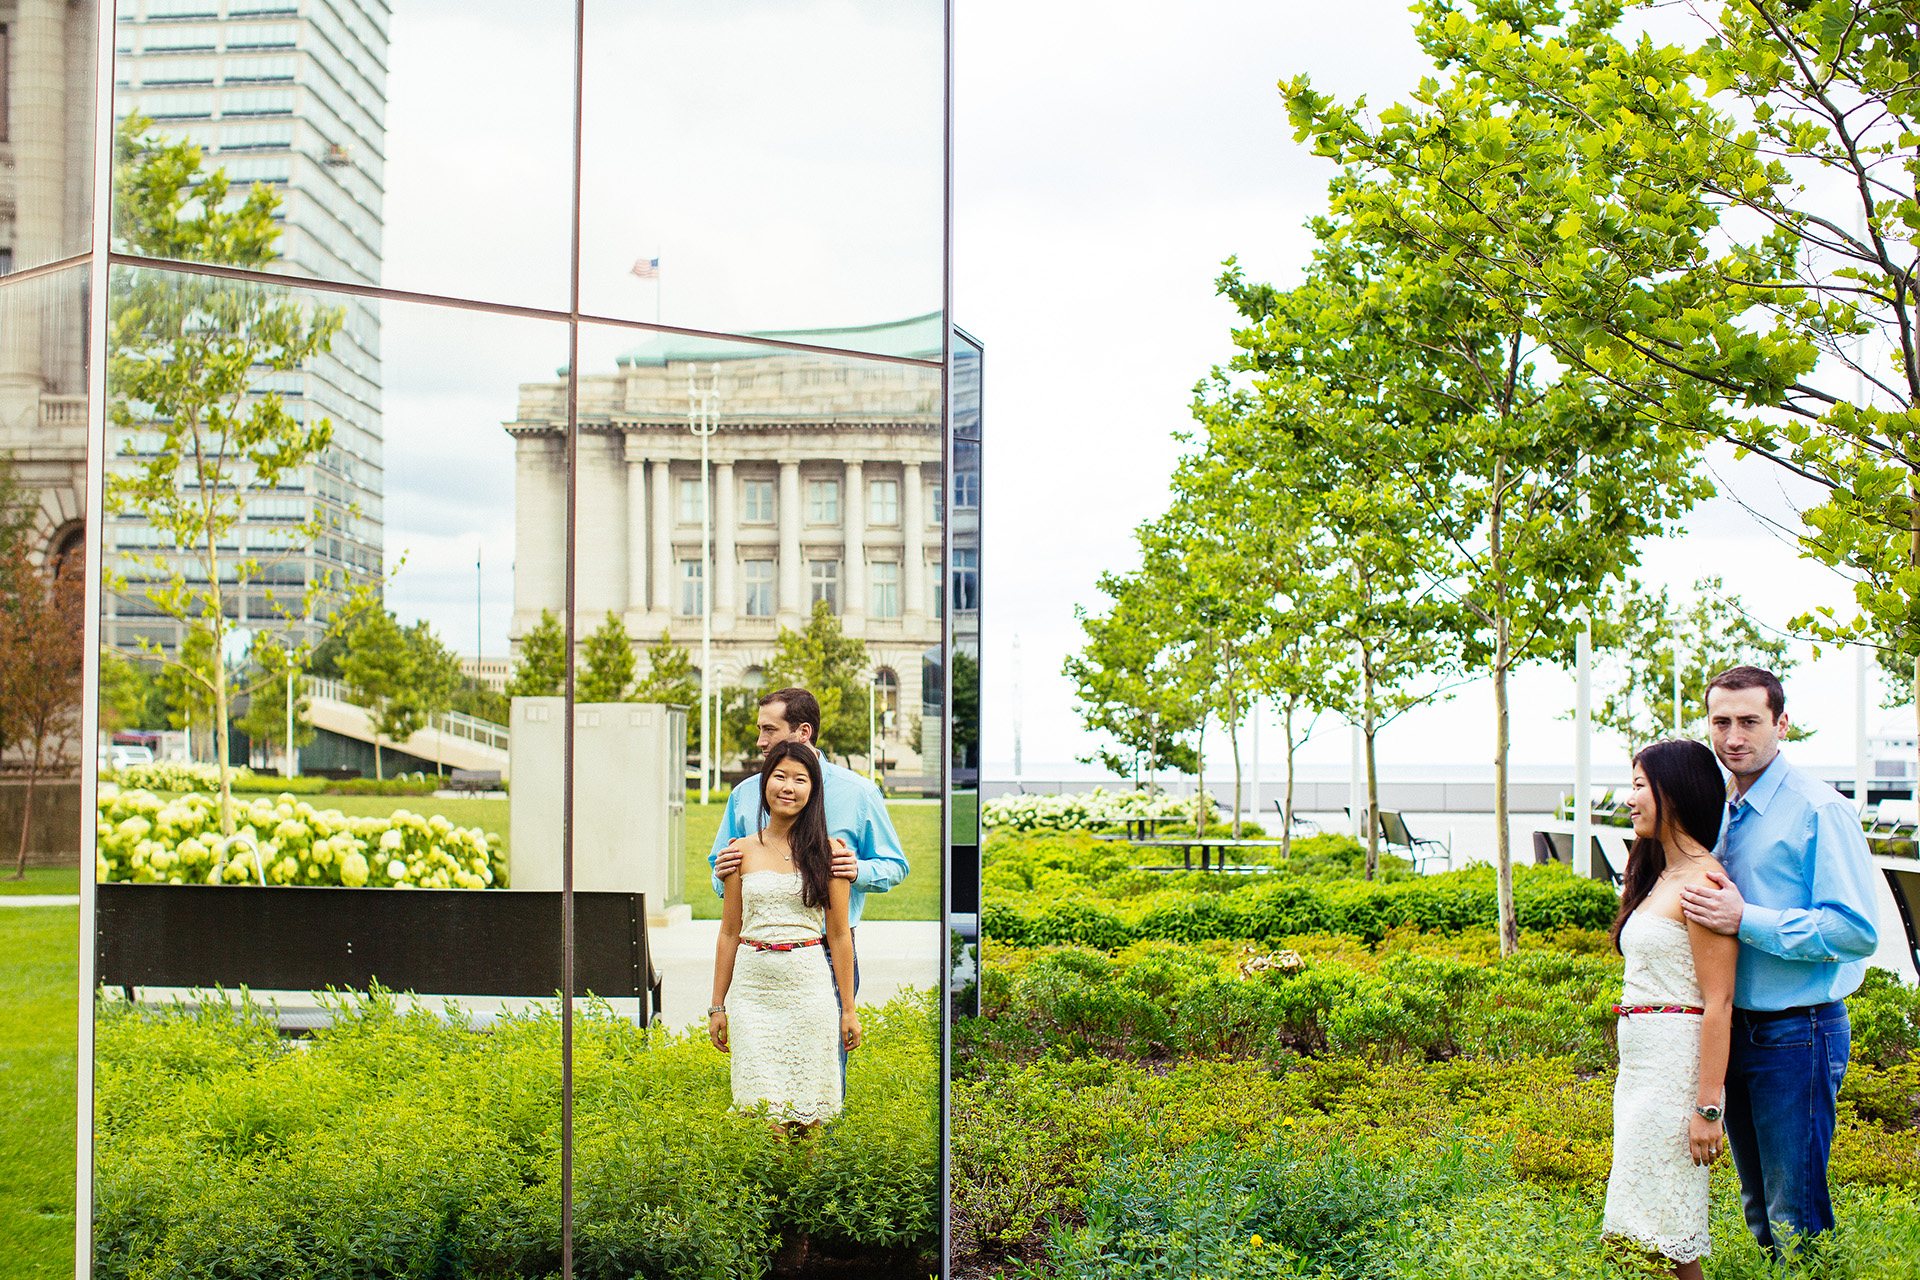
(175, 775)
(1097, 808)
(147, 839)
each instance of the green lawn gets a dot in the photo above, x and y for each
(915, 898)
(43, 880)
(37, 1046)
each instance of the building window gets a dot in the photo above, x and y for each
(883, 502)
(938, 591)
(690, 504)
(886, 696)
(886, 588)
(759, 580)
(825, 580)
(937, 502)
(823, 502)
(966, 490)
(966, 579)
(693, 582)
(756, 502)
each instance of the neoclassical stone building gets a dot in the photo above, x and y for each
(826, 483)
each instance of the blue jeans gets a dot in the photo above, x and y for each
(828, 948)
(1783, 1080)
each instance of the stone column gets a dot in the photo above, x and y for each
(601, 563)
(793, 600)
(663, 583)
(36, 101)
(913, 530)
(853, 572)
(636, 538)
(724, 602)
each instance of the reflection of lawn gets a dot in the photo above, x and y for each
(43, 880)
(916, 898)
(37, 1045)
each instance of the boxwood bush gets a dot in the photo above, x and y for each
(400, 1144)
(1545, 898)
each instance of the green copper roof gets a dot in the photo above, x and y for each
(919, 338)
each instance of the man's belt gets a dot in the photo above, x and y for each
(1797, 1011)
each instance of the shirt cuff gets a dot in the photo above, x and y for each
(1759, 926)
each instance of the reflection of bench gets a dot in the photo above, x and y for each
(474, 780)
(434, 942)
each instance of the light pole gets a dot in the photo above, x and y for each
(1672, 644)
(1583, 745)
(700, 415)
(1862, 760)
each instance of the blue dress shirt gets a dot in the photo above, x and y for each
(1794, 848)
(856, 812)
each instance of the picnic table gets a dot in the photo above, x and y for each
(1553, 842)
(1209, 860)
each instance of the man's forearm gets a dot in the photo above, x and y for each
(1824, 933)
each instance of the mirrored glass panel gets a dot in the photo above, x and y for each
(962, 601)
(424, 145)
(758, 546)
(765, 166)
(327, 1026)
(47, 63)
(42, 648)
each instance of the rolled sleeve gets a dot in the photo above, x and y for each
(883, 863)
(1839, 924)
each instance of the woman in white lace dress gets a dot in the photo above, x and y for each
(773, 1006)
(1676, 1013)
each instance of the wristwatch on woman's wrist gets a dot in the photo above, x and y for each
(718, 1008)
(1711, 1114)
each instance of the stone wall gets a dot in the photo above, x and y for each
(55, 837)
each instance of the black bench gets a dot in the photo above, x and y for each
(436, 942)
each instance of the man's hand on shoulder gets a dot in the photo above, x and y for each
(730, 859)
(846, 863)
(1716, 905)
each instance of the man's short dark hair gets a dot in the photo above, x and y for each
(1752, 678)
(799, 707)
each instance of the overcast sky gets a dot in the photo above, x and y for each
(1106, 162)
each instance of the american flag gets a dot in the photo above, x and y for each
(647, 268)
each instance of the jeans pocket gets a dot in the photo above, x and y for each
(1781, 1033)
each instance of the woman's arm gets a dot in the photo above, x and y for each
(840, 940)
(725, 949)
(1715, 956)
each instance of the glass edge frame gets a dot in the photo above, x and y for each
(945, 1173)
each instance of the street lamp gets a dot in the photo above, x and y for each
(1672, 643)
(1583, 744)
(701, 403)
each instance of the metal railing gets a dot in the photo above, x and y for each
(455, 724)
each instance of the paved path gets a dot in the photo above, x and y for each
(39, 900)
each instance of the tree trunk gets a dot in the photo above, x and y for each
(1502, 655)
(1233, 723)
(1286, 815)
(378, 775)
(1367, 731)
(1200, 780)
(26, 816)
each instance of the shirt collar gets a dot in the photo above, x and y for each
(1763, 788)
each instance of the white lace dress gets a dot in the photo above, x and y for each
(783, 1024)
(1656, 1195)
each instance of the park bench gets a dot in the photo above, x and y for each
(474, 780)
(432, 942)
(1893, 820)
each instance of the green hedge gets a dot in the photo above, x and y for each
(1545, 898)
(402, 1145)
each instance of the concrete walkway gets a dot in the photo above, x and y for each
(39, 900)
(894, 954)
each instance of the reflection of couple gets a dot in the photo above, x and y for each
(800, 847)
(1741, 939)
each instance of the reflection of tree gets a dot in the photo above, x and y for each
(542, 672)
(966, 710)
(670, 675)
(185, 356)
(402, 676)
(832, 666)
(41, 642)
(266, 715)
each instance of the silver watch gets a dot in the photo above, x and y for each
(1711, 1114)
(713, 1009)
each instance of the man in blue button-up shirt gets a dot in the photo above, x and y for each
(1799, 894)
(866, 848)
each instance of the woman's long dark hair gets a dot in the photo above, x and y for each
(812, 849)
(1688, 792)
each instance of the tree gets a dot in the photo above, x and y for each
(670, 675)
(42, 640)
(265, 719)
(186, 354)
(964, 727)
(542, 672)
(1539, 476)
(832, 666)
(131, 694)
(402, 676)
(1133, 681)
(1714, 633)
(609, 663)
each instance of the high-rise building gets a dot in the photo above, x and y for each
(292, 94)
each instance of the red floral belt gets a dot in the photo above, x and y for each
(1625, 1010)
(781, 946)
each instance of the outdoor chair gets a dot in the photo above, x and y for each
(1421, 850)
(1302, 825)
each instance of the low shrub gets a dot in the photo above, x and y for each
(1096, 810)
(399, 1144)
(1545, 898)
(146, 839)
